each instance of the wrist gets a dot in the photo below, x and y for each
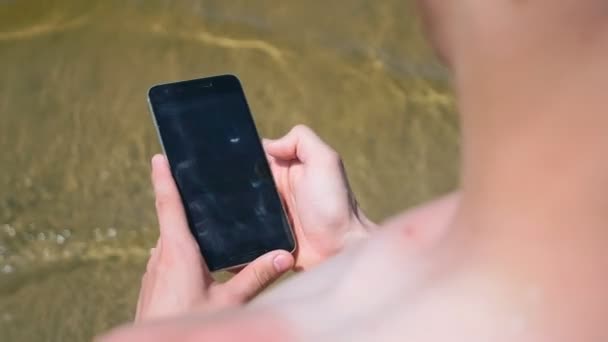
(361, 228)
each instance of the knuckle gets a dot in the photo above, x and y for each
(165, 263)
(260, 277)
(163, 200)
(160, 203)
(333, 157)
(301, 129)
(150, 266)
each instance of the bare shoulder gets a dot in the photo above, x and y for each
(428, 221)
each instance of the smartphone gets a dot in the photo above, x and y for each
(216, 157)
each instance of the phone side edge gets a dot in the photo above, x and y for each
(155, 122)
(257, 133)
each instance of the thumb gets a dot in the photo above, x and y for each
(260, 273)
(169, 208)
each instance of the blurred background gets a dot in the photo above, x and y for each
(76, 207)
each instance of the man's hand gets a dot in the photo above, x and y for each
(311, 179)
(177, 279)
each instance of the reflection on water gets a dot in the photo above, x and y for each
(76, 213)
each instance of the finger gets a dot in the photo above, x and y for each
(178, 244)
(147, 279)
(171, 216)
(256, 276)
(272, 163)
(279, 169)
(140, 299)
(154, 256)
(300, 143)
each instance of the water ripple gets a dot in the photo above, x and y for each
(269, 49)
(55, 24)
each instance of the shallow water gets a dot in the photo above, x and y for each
(76, 212)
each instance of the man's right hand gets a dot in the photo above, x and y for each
(311, 179)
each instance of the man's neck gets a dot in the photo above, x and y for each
(535, 141)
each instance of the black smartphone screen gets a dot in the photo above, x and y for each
(221, 171)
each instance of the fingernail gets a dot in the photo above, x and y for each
(157, 160)
(281, 263)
